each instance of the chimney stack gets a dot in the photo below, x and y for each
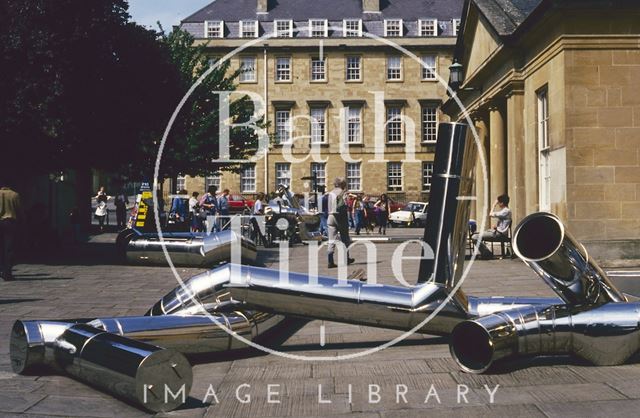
(371, 6)
(263, 6)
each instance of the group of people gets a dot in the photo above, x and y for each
(203, 210)
(102, 212)
(363, 213)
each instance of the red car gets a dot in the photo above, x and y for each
(237, 203)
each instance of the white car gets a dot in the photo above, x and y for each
(412, 214)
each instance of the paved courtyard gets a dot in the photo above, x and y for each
(89, 281)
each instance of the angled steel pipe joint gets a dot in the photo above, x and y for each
(595, 321)
(186, 249)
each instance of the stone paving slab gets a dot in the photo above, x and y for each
(98, 285)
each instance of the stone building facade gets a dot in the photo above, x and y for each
(553, 88)
(368, 111)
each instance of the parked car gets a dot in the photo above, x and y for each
(237, 203)
(412, 214)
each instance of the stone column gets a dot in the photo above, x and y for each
(497, 152)
(480, 190)
(515, 154)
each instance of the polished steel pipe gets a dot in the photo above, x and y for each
(544, 244)
(605, 335)
(140, 373)
(447, 220)
(354, 302)
(186, 249)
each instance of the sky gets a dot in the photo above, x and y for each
(168, 12)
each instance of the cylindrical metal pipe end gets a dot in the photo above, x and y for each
(151, 377)
(543, 243)
(26, 348)
(477, 344)
(538, 236)
(471, 347)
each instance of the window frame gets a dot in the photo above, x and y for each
(431, 129)
(359, 139)
(348, 33)
(244, 177)
(288, 171)
(325, 28)
(544, 148)
(220, 24)
(324, 69)
(313, 123)
(455, 26)
(241, 29)
(244, 73)
(398, 70)
(358, 178)
(323, 170)
(181, 178)
(346, 75)
(434, 31)
(389, 126)
(214, 179)
(288, 128)
(427, 173)
(290, 69)
(388, 22)
(285, 33)
(424, 70)
(397, 187)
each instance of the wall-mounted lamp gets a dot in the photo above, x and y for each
(456, 77)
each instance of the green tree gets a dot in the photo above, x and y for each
(194, 139)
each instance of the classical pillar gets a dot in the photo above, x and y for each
(497, 152)
(516, 163)
(480, 190)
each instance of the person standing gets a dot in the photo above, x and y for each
(209, 204)
(382, 214)
(196, 222)
(223, 209)
(358, 213)
(121, 201)
(11, 213)
(338, 220)
(258, 211)
(101, 208)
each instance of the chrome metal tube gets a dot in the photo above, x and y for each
(449, 204)
(331, 299)
(605, 335)
(137, 372)
(187, 249)
(544, 244)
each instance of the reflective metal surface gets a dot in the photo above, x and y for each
(605, 335)
(544, 244)
(188, 249)
(449, 204)
(138, 372)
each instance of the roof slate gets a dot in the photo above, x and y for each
(234, 10)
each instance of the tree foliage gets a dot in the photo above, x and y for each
(82, 87)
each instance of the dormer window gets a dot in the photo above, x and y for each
(428, 27)
(213, 29)
(283, 28)
(318, 28)
(455, 23)
(248, 28)
(352, 28)
(393, 27)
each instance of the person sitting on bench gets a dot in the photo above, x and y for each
(500, 232)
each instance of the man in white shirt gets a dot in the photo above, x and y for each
(500, 232)
(337, 221)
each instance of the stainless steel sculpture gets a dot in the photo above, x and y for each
(247, 301)
(595, 322)
(185, 249)
(128, 369)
